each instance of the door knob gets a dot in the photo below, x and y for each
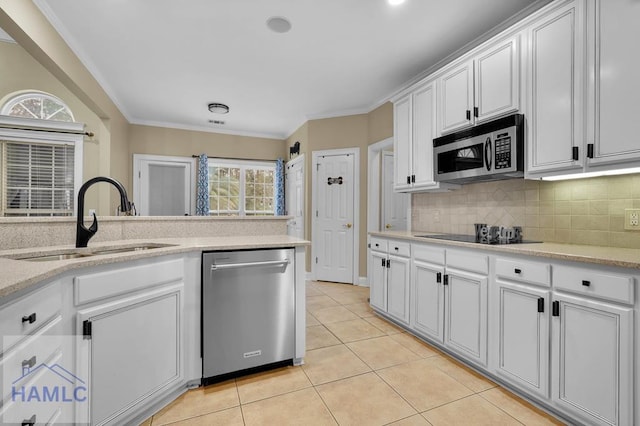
(388, 226)
(348, 225)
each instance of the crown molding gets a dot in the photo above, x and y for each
(6, 37)
(169, 125)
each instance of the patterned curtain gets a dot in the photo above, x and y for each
(202, 191)
(279, 194)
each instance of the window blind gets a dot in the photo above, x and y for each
(37, 179)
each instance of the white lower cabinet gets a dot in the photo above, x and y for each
(523, 336)
(561, 333)
(390, 279)
(465, 324)
(592, 360)
(428, 299)
(132, 345)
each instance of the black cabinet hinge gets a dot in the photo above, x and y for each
(540, 304)
(86, 329)
(446, 279)
(439, 277)
(575, 153)
(555, 309)
(589, 150)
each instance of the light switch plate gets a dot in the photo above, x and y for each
(632, 219)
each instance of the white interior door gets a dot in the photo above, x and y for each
(334, 218)
(294, 196)
(164, 186)
(394, 204)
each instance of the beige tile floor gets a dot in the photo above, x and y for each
(359, 370)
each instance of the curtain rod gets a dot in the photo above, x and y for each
(239, 159)
(50, 130)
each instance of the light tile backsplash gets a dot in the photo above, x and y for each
(581, 211)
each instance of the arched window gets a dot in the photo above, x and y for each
(37, 105)
(40, 156)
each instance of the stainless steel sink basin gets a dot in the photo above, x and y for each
(74, 254)
(130, 249)
(63, 256)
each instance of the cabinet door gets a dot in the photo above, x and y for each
(402, 142)
(134, 350)
(377, 284)
(592, 355)
(466, 315)
(616, 87)
(428, 299)
(398, 288)
(424, 120)
(497, 79)
(523, 336)
(456, 98)
(554, 88)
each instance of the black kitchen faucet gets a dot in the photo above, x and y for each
(83, 234)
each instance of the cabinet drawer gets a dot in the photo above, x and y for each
(523, 271)
(604, 285)
(41, 413)
(428, 254)
(101, 285)
(400, 248)
(468, 261)
(30, 354)
(379, 244)
(23, 316)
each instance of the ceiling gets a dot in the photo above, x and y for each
(163, 61)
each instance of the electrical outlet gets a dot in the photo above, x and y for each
(632, 219)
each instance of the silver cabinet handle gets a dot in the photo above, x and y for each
(248, 264)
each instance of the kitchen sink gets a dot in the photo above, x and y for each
(75, 254)
(63, 256)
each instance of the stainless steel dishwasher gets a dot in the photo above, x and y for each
(248, 310)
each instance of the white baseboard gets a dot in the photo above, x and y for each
(308, 276)
(363, 282)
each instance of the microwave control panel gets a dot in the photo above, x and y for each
(502, 148)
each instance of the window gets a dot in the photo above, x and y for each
(38, 179)
(37, 105)
(241, 188)
(40, 156)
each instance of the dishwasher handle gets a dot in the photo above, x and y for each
(248, 264)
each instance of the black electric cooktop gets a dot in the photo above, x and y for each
(472, 239)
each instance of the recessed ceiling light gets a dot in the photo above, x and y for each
(278, 24)
(218, 108)
(395, 2)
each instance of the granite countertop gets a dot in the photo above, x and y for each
(609, 256)
(16, 275)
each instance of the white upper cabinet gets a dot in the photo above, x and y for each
(414, 129)
(483, 87)
(614, 87)
(555, 79)
(456, 98)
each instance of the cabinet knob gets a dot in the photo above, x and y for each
(29, 318)
(517, 270)
(586, 283)
(31, 362)
(388, 226)
(396, 248)
(29, 422)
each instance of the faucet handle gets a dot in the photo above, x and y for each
(94, 226)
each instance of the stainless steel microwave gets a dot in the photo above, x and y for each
(489, 151)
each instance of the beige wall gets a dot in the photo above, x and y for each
(20, 72)
(581, 211)
(26, 24)
(185, 143)
(354, 131)
(381, 123)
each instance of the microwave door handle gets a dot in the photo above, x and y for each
(487, 154)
